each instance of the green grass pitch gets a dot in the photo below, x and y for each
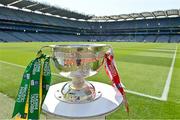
(144, 68)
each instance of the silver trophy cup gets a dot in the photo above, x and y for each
(78, 62)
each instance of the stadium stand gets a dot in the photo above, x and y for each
(22, 20)
(5, 36)
(163, 38)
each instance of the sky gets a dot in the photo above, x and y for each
(113, 7)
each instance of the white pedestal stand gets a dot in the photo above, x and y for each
(98, 109)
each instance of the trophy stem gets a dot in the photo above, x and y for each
(78, 83)
(77, 91)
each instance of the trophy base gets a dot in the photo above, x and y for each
(108, 102)
(84, 94)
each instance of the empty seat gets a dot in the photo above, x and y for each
(150, 38)
(8, 37)
(162, 38)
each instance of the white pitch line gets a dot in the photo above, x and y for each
(144, 95)
(168, 80)
(21, 66)
(128, 91)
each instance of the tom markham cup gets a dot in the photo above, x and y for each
(78, 62)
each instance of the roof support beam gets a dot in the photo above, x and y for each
(52, 11)
(31, 5)
(165, 13)
(152, 13)
(43, 8)
(14, 2)
(142, 15)
(131, 16)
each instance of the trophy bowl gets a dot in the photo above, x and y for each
(77, 62)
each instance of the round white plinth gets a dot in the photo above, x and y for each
(108, 102)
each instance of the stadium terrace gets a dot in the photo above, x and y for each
(23, 20)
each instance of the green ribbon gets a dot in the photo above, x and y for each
(23, 92)
(34, 87)
(34, 98)
(46, 77)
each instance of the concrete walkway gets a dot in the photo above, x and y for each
(7, 107)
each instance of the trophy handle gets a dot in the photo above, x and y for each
(43, 47)
(109, 50)
(48, 46)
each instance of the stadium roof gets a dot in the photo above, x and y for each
(56, 11)
(44, 8)
(143, 15)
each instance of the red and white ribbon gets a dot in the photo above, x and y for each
(112, 72)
